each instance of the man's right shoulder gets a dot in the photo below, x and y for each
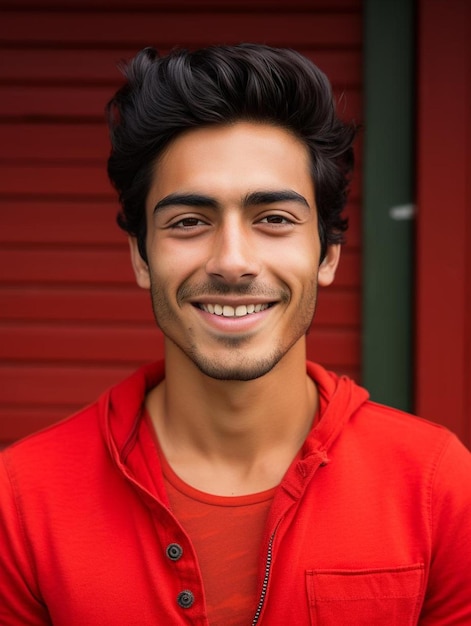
(59, 440)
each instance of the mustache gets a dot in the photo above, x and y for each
(210, 288)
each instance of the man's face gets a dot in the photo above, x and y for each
(233, 248)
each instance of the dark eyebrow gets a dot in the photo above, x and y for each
(251, 199)
(272, 197)
(187, 199)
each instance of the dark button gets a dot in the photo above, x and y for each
(185, 599)
(174, 551)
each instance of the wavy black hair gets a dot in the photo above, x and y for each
(164, 96)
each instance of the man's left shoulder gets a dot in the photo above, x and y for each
(408, 433)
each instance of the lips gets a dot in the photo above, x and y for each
(229, 311)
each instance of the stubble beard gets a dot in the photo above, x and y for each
(239, 367)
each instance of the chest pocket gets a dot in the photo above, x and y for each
(382, 597)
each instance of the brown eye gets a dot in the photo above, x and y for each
(275, 219)
(188, 222)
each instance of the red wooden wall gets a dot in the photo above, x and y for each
(443, 368)
(72, 321)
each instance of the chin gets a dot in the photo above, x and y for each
(240, 371)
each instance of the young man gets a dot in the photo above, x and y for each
(234, 484)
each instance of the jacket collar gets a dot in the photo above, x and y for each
(121, 409)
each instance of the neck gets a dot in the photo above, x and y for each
(245, 432)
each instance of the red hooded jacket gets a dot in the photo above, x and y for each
(371, 526)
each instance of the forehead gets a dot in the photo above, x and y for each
(232, 160)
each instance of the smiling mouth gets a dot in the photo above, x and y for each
(229, 311)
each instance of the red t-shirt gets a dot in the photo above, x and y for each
(226, 532)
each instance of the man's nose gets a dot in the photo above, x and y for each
(233, 256)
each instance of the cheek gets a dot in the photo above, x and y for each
(168, 259)
(172, 267)
(180, 254)
(301, 264)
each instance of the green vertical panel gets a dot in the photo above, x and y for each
(388, 197)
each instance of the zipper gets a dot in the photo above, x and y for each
(266, 577)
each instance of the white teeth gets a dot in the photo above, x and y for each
(230, 311)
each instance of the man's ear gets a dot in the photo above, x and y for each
(140, 267)
(328, 267)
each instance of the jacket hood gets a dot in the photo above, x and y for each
(121, 408)
(339, 398)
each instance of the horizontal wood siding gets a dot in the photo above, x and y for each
(72, 321)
